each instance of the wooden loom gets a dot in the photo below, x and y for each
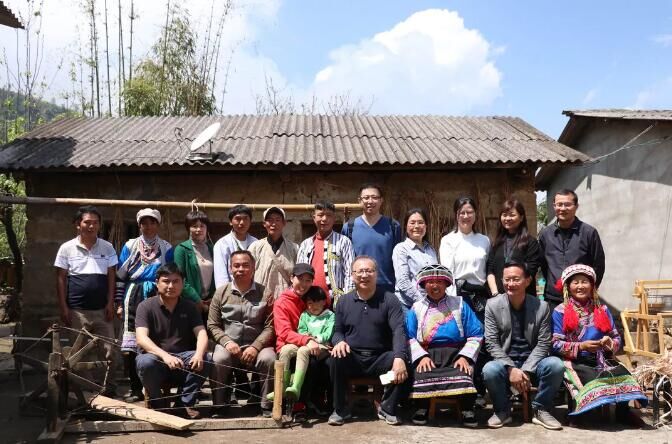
(650, 311)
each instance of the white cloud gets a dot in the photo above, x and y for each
(663, 39)
(429, 63)
(590, 96)
(658, 95)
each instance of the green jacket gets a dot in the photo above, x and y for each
(185, 259)
(319, 327)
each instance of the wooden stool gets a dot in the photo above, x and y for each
(373, 396)
(527, 403)
(453, 403)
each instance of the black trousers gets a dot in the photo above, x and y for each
(357, 364)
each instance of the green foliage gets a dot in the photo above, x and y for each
(171, 81)
(12, 187)
(542, 213)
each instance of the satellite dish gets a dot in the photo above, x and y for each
(204, 137)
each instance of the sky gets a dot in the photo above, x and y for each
(523, 58)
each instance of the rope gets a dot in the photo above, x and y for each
(115, 342)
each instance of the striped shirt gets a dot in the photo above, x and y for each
(338, 256)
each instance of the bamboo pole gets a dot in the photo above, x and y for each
(278, 389)
(158, 203)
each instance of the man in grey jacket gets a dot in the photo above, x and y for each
(518, 337)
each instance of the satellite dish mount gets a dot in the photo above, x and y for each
(204, 137)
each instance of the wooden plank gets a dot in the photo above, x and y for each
(131, 411)
(79, 355)
(200, 424)
(55, 435)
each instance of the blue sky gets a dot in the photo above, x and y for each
(554, 55)
(530, 59)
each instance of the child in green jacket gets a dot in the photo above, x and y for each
(316, 321)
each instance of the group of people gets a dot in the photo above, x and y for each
(375, 299)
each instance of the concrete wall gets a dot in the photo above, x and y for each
(49, 226)
(628, 198)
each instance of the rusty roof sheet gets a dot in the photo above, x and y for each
(285, 140)
(633, 114)
(8, 18)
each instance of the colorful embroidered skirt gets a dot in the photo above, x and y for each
(444, 380)
(591, 388)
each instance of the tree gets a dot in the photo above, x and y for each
(175, 80)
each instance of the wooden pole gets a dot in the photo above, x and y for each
(158, 203)
(277, 390)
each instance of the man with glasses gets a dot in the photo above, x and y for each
(518, 337)
(369, 339)
(375, 235)
(566, 242)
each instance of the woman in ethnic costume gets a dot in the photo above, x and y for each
(585, 337)
(136, 281)
(444, 338)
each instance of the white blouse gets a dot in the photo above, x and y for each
(466, 256)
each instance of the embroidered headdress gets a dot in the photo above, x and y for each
(571, 318)
(434, 272)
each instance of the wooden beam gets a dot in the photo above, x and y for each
(131, 411)
(160, 203)
(55, 435)
(200, 424)
(278, 390)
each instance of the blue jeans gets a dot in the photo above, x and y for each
(154, 374)
(548, 377)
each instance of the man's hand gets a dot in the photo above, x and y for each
(249, 356)
(233, 348)
(109, 311)
(173, 362)
(313, 347)
(340, 350)
(66, 318)
(196, 362)
(399, 369)
(590, 346)
(519, 380)
(426, 365)
(463, 365)
(120, 311)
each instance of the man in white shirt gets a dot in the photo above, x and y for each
(240, 218)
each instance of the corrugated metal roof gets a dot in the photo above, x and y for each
(633, 114)
(8, 18)
(285, 140)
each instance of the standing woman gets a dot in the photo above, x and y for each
(194, 257)
(512, 241)
(465, 252)
(410, 256)
(136, 281)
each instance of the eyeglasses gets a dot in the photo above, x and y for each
(563, 205)
(370, 197)
(364, 272)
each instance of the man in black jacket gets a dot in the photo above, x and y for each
(369, 339)
(566, 242)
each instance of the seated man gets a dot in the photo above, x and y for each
(369, 339)
(173, 343)
(240, 322)
(518, 337)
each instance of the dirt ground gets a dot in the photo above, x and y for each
(21, 428)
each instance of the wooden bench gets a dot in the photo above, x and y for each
(452, 402)
(374, 396)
